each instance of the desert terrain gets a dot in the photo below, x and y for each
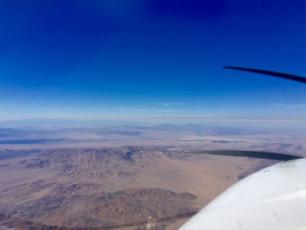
(122, 178)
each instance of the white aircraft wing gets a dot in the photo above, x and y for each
(271, 199)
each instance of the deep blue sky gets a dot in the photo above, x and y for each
(123, 58)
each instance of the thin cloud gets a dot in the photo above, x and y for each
(289, 106)
(169, 104)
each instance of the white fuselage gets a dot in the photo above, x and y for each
(271, 199)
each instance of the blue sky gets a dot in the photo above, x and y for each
(150, 58)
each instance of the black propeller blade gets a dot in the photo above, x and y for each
(270, 73)
(253, 154)
(258, 154)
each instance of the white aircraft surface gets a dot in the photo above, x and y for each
(272, 199)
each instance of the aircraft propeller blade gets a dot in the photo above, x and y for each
(269, 73)
(253, 154)
(257, 154)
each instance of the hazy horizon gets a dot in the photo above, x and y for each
(151, 59)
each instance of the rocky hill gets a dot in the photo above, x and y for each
(130, 187)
